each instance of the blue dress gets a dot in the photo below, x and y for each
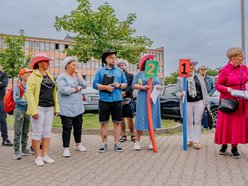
(141, 122)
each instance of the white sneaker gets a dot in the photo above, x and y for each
(137, 146)
(66, 153)
(80, 148)
(150, 147)
(47, 159)
(38, 161)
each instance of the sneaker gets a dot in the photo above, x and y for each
(189, 143)
(27, 153)
(38, 161)
(103, 148)
(66, 153)
(137, 146)
(197, 145)
(235, 153)
(7, 142)
(47, 159)
(80, 148)
(118, 148)
(17, 155)
(150, 147)
(223, 150)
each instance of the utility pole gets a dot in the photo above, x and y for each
(243, 27)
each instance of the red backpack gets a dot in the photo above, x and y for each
(9, 103)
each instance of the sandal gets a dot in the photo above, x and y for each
(133, 138)
(123, 138)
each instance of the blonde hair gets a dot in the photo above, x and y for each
(233, 52)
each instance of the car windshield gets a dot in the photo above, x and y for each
(169, 90)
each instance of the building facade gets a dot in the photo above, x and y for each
(55, 49)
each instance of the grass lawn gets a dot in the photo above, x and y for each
(90, 121)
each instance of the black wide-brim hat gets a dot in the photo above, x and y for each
(107, 53)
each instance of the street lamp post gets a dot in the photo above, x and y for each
(243, 26)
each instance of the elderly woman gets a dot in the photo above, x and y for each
(140, 82)
(232, 127)
(70, 99)
(197, 100)
(42, 104)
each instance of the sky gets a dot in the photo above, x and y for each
(201, 30)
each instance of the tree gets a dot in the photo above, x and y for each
(171, 79)
(214, 72)
(96, 31)
(12, 57)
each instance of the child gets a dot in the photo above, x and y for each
(21, 119)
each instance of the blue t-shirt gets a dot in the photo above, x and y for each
(119, 77)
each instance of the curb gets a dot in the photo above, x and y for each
(97, 131)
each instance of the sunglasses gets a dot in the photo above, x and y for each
(203, 69)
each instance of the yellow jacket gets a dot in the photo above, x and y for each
(33, 92)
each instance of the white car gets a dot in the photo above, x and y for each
(90, 98)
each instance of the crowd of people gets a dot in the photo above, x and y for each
(38, 98)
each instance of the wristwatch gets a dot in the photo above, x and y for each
(119, 85)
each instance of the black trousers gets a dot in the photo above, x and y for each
(68, 123)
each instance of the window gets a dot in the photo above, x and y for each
(31, 45)
(66, 46)
(46, 46)
(42, 46)
(56, 46)
(26, 45)
(51, 64)
(36, 45)
(61, 47)
(52, 46)
(56, 62)
(88, 65)
(61, 62)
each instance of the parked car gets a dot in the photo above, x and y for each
(90, 98)
(170, 103)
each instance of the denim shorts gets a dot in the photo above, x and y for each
(110, 108)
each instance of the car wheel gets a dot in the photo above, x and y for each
(215, 115)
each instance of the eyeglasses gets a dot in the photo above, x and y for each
(203, 69)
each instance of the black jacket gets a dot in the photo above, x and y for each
(4, 79)
(129, 89)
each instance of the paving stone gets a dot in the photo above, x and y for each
(170, 166)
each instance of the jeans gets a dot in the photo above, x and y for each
(21, 129)
(68, 123)
(3, 123)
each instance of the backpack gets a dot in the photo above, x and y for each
(9, 103)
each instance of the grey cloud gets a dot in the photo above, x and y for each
(197, 29)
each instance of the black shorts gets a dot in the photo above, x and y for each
(107, 108)
(128, 110)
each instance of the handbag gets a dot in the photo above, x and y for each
(228, 105)
(207, 119)
(210, 119)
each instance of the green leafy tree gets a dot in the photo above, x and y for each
(96, 31)
(171, 79)
(12, 57)
(212, 72)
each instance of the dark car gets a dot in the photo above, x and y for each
(170, 103)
